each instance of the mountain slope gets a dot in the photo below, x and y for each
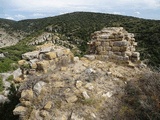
(77, 27)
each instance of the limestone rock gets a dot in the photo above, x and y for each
(30, 55)
(43, 65)
(21, 62)
(90, 57)
(79, 84)
(38, 86)
(27, 94)
(85, 95)
(76, 117)
(20, 110)
(2, 99)
(51, 55)
(89, 86)
(2, 55)
(71, 99)
(17, 73)
(48, 105)
(18, 80)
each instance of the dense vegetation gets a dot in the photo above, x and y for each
(142, 98)
(80, 25)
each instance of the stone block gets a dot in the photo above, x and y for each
(43, 65)
(20, 110)
(27, 94)
(120, 43)
(48, 105)
(115, 49)
(21, 62)
(71, 99)
(50, 55)
(30, 55)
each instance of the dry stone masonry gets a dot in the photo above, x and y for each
(114, 43)
(45, 57)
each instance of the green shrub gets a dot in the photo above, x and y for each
(10, 78)
(1, 84)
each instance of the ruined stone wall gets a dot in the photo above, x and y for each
(114, 43)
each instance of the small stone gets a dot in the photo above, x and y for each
(21, 62)
(38, 86)
(85, 95)
(79, 84)
(59, 84)
(43, 113)
(27, 94)
(51, 55)
(18, 80)
(89, 86)
(20, 110)
(76, 59)
(72, 99)
(108, 94)
(130, 64)
(63, 68)
(76, 117)
(90, 57)
(26, 103)
(48, 105)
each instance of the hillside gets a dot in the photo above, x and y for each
(76, 28)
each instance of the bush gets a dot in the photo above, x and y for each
(1, 84)
(142, 98)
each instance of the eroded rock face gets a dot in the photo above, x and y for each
(114, 43)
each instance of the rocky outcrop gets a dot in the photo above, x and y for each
(9, 39)
(115, 44)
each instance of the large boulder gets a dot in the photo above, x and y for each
(30, 55)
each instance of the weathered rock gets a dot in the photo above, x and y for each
(18, 80)
(43, 65)
(27, 94)
(26, 103)
(38, 86)
(89, 86)
(2, 55)
(71, 99)
(20, 110)
(51, 55)
(90, 57)
(17, 73)
(3, 99)
(63, 68)
(48, 105)
(30, 55)
(35, 115)
(76, 117)
(79, 84)
(33, 63)
(85, 95)
(21, 62)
